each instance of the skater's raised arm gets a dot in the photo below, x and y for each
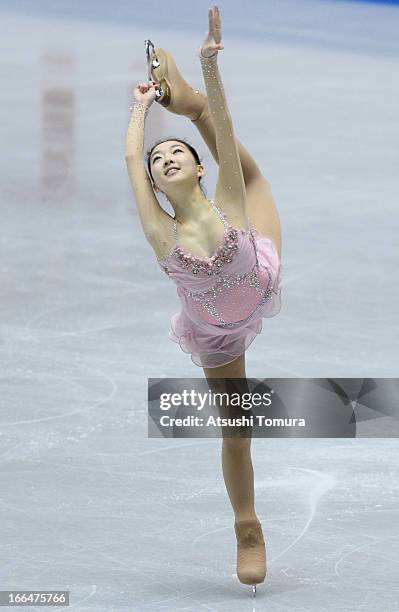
(150, 211)
(230, 185)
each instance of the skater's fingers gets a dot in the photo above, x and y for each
(216, 24)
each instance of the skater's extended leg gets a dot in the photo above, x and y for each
(261, 207)
(205, 126)
(184, 100)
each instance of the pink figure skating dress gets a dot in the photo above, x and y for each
(224, 297)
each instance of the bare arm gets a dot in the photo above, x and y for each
(150, 211)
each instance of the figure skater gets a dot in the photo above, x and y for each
(224, 255)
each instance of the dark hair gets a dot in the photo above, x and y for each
(188, 145)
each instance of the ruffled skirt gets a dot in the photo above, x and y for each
(211, 347)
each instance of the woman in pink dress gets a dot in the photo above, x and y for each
(224, 254)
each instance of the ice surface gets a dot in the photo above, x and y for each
(89, 503)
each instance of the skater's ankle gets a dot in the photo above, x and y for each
(249, 516)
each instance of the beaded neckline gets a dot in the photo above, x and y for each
(216, 251)
(205, 257)
(228, 228)
(210, 266)
(177, 247)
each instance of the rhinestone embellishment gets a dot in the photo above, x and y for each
(210, 266)
(251, 279)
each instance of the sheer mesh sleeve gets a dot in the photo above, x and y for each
(149, 209)
(230, 171)
(135, 132)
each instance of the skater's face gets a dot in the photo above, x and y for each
(186, 171)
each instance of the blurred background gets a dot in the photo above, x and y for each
(88, 501)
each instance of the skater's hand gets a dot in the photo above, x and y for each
(145, 92)
(211, 44)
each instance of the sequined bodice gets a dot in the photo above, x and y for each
(232, 273)
(205, 266)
